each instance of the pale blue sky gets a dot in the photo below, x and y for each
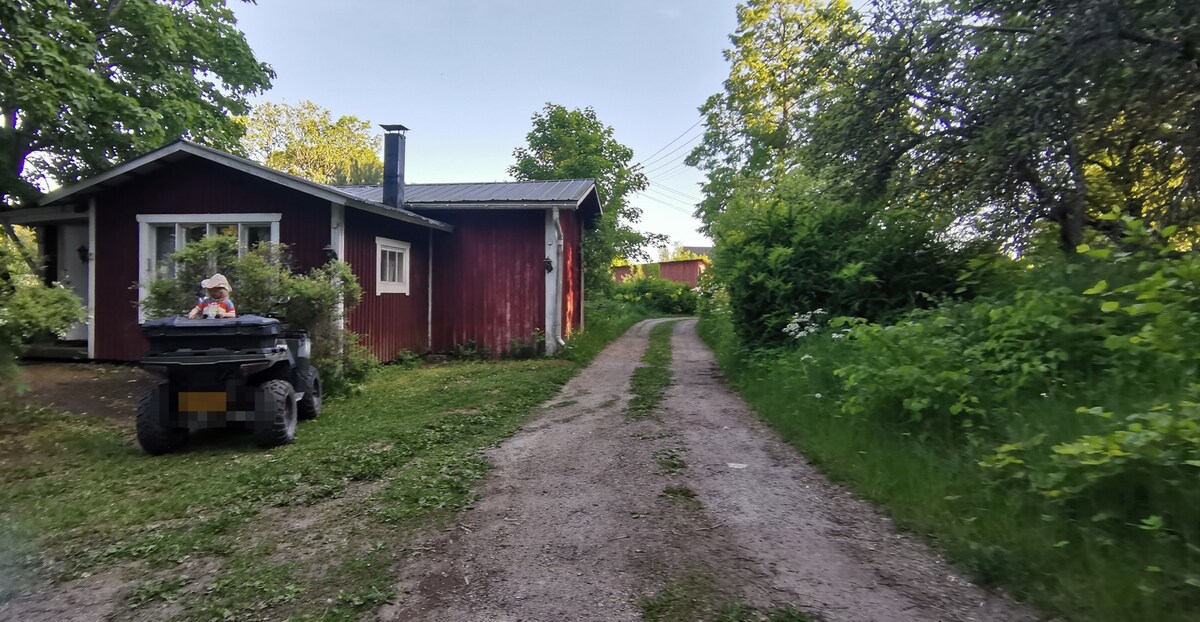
(467, 75)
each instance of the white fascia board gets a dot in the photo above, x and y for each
(36, 215)
(233, 217)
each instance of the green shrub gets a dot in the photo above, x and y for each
(28, 308)
(796, 251)
(658, 294)
(1046, 431)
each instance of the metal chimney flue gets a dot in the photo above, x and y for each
(393, 165)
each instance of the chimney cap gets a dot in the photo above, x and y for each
(393, 127)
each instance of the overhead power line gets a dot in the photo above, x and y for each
(681, 135)
(661, 162)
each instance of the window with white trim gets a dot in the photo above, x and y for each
(391, 262)
(163, 234)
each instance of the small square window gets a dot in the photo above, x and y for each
(392, 261)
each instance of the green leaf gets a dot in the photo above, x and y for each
(1096, 289)
(1110, 306)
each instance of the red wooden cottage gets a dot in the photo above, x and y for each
(440, 264)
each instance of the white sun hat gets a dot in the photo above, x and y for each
(216, 280)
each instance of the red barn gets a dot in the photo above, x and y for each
(682, 271)
(439, 264)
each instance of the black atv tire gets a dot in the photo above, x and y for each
(153, 433)
(309, 406)
(276, 416)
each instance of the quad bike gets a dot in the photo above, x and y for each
(247, 372)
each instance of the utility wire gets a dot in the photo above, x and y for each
(660, 162)
(670, 143)
(669, 205)
(671, 201)
(678, 193)
(660, 173)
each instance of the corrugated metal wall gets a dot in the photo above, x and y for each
(390, 323)
(489, 278)
(188, 187)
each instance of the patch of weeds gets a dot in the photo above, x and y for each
(650, 381)
(684, 496)
(362, 583)
(407, 359)
(249, 589)
(608, 403)
(669, 461)
(697, 597)
(160, 589)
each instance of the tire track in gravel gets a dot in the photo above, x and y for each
(571, 523)
(558, 533)
(789, 533)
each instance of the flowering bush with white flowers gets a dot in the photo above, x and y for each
(804, 324)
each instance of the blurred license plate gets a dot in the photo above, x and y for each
(201, 401)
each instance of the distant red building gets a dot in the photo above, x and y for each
(682, 271)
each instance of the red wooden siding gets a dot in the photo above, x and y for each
(622, 273)
(488, 278)
(191, 186)
(389, 323)
(572, 303)
(683, 271)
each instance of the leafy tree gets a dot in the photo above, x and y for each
(798, 250)
(1020, 112)
(678, 253)
(305, 140)
(784, 57)
(575, 144)
(86, 83)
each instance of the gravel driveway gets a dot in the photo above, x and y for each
(585, 514)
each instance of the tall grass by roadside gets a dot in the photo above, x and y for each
(399, 456)
(1039, 436)
(604, 321)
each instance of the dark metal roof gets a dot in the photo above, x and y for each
(563, 191)
(181, 149)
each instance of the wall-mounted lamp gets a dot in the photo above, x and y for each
(84, 254)
(549, 266)
(330, 254)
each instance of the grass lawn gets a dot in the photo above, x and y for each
(226, 530)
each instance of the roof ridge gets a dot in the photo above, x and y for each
(471, 183)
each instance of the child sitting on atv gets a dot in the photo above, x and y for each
(217, 304)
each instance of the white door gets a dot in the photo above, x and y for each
(73, 269)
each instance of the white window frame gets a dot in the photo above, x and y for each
(389, 245)
(147, 222)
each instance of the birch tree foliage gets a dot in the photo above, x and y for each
(307, 141)
(784, 57)
(84, 84)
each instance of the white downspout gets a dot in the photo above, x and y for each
(558, 283)
(91, 294)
